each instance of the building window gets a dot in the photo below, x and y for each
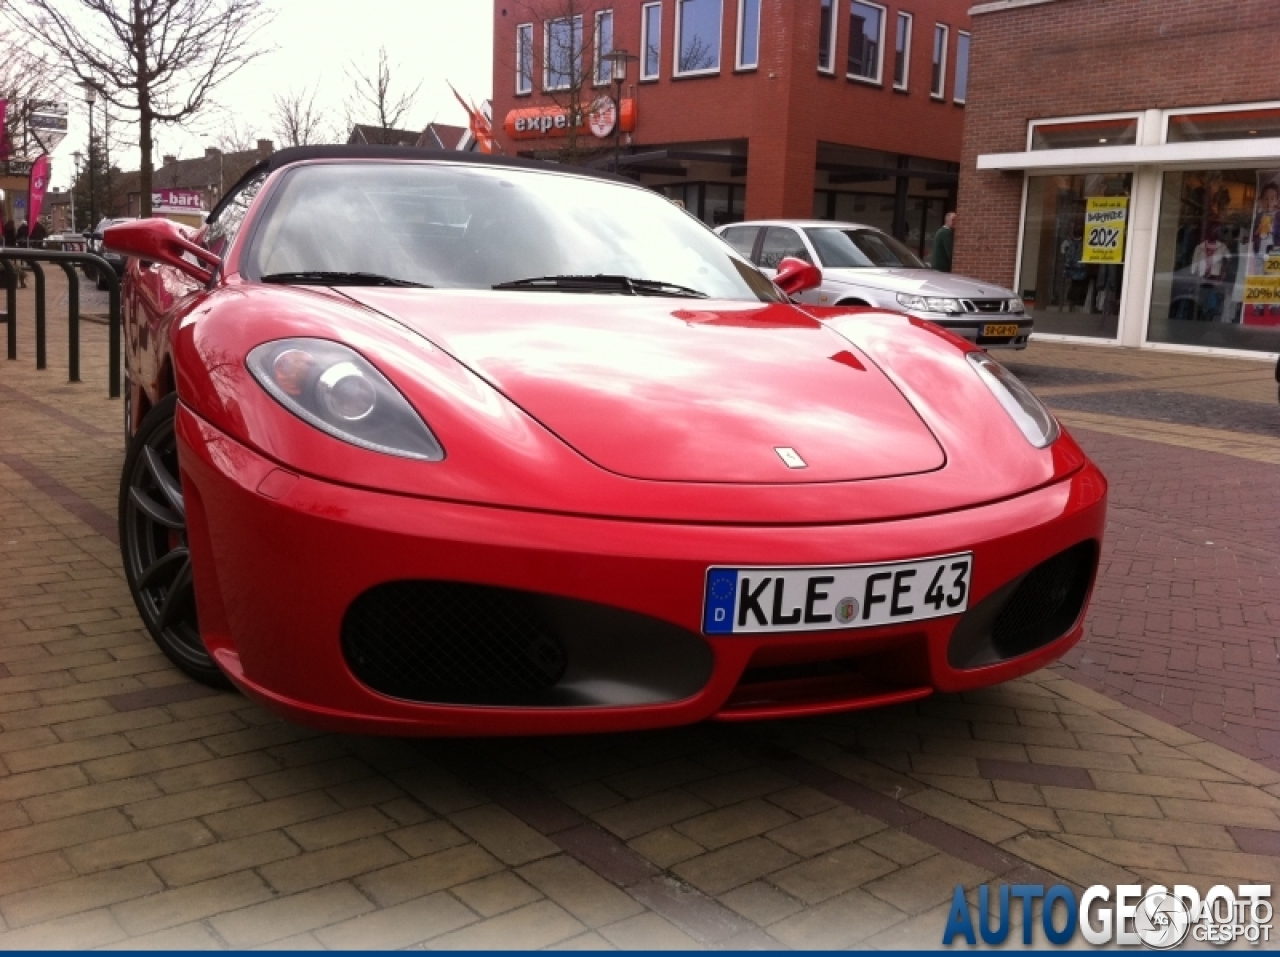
(1112, 131)
(902, 52)
(604, 44)
(961, 88)
(1224, 125)
(866, 41)
(1072, 275)
(827, 36)
(1216, 280)
(748, 34)
(940, 33)
(651, 40)
(562, 53)
(698, 36)
(524, 59)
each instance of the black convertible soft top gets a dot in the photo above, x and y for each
(298, 154)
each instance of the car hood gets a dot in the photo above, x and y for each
(679, 390)
(919, 282)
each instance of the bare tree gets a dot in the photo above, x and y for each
(24, 77)
(160, 59)
(374, 97)
(296, 120)
(566, 73)
(235, 136)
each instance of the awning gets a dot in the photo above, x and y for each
(1165, 154)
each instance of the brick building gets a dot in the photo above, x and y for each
(1121, 168)
(841, 109)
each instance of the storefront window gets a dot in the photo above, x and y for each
(1073, 252)
(1217, 269)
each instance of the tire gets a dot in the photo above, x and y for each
(153, 545)
(100, 280)
(90, 274)
(853, 302)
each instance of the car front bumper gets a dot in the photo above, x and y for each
(281, 559)
(988, 331)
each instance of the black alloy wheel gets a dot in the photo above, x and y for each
(153, 543)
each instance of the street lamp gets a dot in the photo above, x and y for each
(77, 156)
(90, 96)
(617, 60)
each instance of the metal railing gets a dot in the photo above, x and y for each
(9, 256)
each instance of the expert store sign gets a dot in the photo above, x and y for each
(1127, 915)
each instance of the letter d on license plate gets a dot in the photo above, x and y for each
(825, 598)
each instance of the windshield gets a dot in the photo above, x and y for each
(848, 247)
(476, 227)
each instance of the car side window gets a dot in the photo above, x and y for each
(222, 229)
(779, 243)
(743, 239)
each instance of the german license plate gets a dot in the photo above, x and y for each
(826, 598)
(1000, 329)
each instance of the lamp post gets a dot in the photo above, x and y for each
(617, 60)
(77, 156)
(90, 96)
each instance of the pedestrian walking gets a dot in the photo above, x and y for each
(38, 235)
(944, 244)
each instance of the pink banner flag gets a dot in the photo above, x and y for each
(39, 183)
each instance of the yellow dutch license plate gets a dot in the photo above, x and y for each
(999, 329)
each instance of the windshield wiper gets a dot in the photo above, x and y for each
(318, 277)
(604, 283)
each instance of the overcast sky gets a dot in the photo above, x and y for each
(312, 43)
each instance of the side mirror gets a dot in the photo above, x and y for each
(164, 242)
(795, 276)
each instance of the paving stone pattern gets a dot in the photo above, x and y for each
(1233, 415)
(138, 809)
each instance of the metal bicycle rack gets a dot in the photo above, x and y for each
(68, 261)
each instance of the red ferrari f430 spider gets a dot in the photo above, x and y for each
(438, 444)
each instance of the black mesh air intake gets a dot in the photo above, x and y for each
(1047, 603)
(451, 642)
(1027, 613)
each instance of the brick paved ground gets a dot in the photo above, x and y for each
(138, 809)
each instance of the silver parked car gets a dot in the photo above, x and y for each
(862, 266)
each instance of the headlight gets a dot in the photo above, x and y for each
(1027, 412)
(929, 303)
(339, 392)
(1016, 305)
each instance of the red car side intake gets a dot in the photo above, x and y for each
(434, 445)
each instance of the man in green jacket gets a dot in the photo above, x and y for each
(944, 244)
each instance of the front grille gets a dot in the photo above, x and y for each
(985, 306)
(1027, 613)
(451, 642)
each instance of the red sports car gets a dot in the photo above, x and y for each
(427, 443)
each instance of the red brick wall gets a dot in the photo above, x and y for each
(784, 108)
(1075, 57)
